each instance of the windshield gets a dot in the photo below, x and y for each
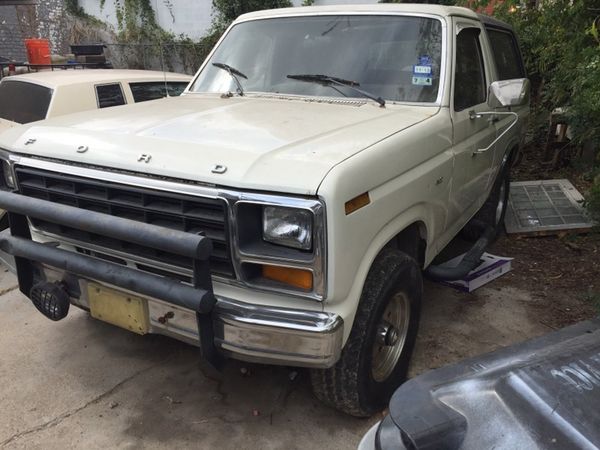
(393, 57)
(23, 102)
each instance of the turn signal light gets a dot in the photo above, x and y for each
(357, 202)
(299, 278)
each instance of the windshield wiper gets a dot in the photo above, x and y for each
(327, 80)
(234, 73)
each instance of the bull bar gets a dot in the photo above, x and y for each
(198, 297)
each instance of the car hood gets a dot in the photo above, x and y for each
(6, 124)
(261, 143)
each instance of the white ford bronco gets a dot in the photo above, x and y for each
(282, 209)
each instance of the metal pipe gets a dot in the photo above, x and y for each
(169, 290)
(172, 241)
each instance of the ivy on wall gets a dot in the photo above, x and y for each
(143, 42)
(226, 11)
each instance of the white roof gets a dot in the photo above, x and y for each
(58, 77)
(380, 8)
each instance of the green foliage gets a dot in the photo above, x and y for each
(593, 201)
(226, 11)
(562, 54)
(435, 2)
(593, 297)
(561, 46)
(144, 41)
(73, 8)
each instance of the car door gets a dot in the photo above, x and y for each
(471, 78)
(509, 65)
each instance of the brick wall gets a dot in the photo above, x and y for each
(53, 24)
(11, 39)
(45, 19)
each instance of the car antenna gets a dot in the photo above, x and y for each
(162, 59)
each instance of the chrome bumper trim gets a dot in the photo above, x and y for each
(273, 335)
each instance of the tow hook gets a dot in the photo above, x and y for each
(164, 319)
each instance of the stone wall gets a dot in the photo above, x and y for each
(48, 19)
(53, 24)
(45, 19)
(12, 32)
(192, 18)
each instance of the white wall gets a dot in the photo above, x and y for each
(190, 17)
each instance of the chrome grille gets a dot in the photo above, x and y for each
(170, 210)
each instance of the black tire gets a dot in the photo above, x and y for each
(350, 385)
(493, 211)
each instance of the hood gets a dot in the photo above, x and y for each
(269, 144)
(6, 124)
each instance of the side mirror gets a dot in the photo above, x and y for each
(509, 93)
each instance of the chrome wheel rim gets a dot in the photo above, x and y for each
(501, 202)
(390, 337)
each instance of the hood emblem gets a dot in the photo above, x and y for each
(82, 149)
(219, 168)
(145, 157)
(30, 141)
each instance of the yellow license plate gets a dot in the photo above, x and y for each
(120, 309)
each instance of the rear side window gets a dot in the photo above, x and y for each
(145, 91)
(110, 95)
(469, 79)
(506, 55)
(23, 102)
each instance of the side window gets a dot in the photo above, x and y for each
(110, 95)
(469, 79)
(506, 55)
(153, 90)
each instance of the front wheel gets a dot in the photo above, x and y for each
(375, 359)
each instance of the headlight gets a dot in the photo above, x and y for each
(288, 226)
(9, 180)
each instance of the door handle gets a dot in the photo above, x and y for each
(490, 113)
(473, 115)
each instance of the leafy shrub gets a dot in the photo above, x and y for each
(561, 49)
(593, 201)
(226, 11)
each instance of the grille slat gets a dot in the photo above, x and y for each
(169, 210)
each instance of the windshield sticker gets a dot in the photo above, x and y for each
(422, 72)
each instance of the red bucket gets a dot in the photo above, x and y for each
(38, 51)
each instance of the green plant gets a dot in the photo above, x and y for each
(226, 11)
(561, 48)
(593, 297)
(437, 2)
(592, 202)
(72, 7)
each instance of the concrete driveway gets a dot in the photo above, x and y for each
(80, 383)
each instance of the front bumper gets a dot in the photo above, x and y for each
(219, 326)
(278, 335)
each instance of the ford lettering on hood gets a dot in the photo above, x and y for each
(246, 142)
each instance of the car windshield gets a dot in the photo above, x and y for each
(393, 57)
(23, 102)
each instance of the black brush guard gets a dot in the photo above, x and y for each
(29, 255)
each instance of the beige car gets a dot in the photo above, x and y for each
(283, 208)
(41, 95)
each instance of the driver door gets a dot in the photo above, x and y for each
(472, 171)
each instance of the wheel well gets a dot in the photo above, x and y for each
(412, 241)
(513, 156)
